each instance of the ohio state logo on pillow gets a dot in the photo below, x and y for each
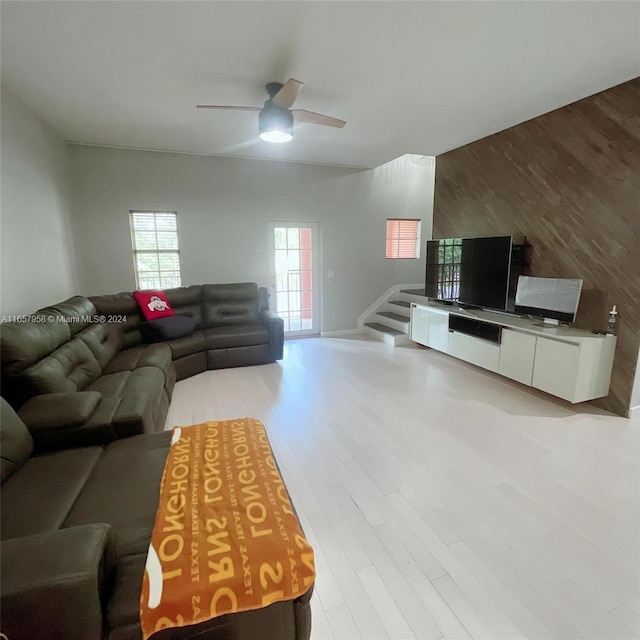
(153, 304)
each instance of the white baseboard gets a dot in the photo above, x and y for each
(634, 413)
(341, 332)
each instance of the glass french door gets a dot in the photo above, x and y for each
(294, 278)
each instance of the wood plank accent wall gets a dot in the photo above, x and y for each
(570, 182)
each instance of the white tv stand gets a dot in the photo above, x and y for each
(569, 363)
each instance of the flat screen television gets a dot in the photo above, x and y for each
(549, 298)
(469, 271)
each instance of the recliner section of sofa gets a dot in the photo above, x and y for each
(49, 365)
(80, 372)
(76, 527)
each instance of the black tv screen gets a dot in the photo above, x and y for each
(472, 271)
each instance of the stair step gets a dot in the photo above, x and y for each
(394, 316)
(383, 328)
(414, 292)
(401, 303)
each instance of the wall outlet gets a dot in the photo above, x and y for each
(331, 274)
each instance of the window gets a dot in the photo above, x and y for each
(403, 238)
(449, 265)
(156, 258)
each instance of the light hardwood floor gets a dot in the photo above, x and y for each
(443, 501)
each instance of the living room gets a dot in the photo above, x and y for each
(441, 500)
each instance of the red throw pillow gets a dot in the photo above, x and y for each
(154, 304)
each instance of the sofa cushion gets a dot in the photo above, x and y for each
(78, 312)
(104, 341)
(140, 398)
(170, 328)
(230, 304)
(125, 305)
(39, 496)
(16, 443)
(245, 335)
(186, 346)
(70, 367)
(110, 385)
(123, 491)
(147, 382)
(154, 355)
(153, 304)
(187, 301)
(23, 344)
(143, 381)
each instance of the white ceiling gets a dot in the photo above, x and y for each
(409, 77)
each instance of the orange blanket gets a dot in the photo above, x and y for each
(226, 538)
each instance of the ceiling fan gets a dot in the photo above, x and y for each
(275, 118)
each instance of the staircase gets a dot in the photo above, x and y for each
(390, 321)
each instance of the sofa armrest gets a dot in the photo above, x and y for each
(65, 420)
(275, 325)
(56, 584)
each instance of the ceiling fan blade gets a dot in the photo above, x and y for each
(215, 106)
(302, 115)
(288, 94)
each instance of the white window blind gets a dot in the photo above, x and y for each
(403, 238)
(156, 257)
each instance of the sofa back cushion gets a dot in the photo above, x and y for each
(71, 367)
(16, 443)
(104, 340)
(187, 301)
(229, 304)
(22, 345)
(123, 306)
(78, 312)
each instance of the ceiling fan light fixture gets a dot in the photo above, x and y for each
(275, 118)
(276, 136)
(275, 125)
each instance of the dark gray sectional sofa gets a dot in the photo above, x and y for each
(79, 496)
(76, 526)
(234, 326)
(79, 373)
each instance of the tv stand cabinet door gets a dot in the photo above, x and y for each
(517, 351)
(420, 324)
(555, 368)
(439, 331)
(482, 353)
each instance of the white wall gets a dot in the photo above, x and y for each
(224, 207)
(36, 251)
